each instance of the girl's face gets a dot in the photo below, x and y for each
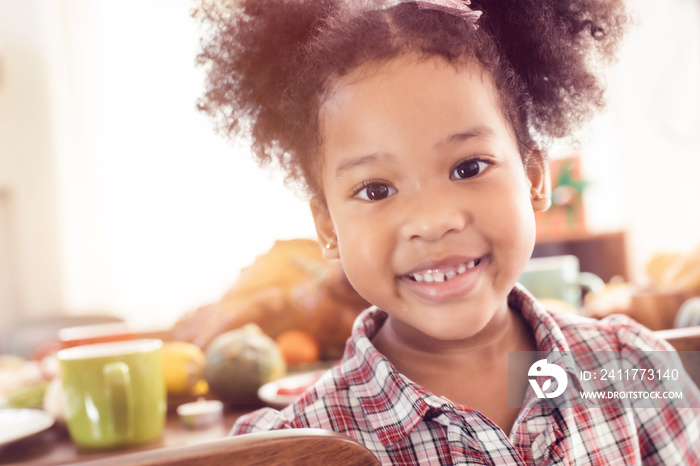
(427, 198)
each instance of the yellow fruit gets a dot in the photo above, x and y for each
(183, 366)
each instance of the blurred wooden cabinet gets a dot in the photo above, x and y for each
(602, 254)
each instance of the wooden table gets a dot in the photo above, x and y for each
(54, 446)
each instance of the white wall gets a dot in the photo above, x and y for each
(644, 156)
(119, 197)
(8, 290)
(27, 168)
(153, 213)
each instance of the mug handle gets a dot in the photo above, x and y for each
(590, 282)
(120, 395)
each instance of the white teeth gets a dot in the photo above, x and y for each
(436, 276)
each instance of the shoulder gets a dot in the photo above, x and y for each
(574, 332)
(613, 333)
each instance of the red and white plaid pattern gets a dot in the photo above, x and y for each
(403, 423)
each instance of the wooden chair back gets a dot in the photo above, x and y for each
(271, 448)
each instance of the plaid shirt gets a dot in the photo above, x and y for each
(365, 398)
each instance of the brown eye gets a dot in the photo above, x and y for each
(375, 192)
(468, 169)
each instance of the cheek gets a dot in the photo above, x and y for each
(358, 270)
(361, 243)
(522, 227)
(365, 253)
(515, 224)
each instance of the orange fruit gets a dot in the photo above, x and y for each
(298, 347)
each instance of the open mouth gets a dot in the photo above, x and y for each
(443, 274)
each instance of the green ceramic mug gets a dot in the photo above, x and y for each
(114, 393)
(559, 277)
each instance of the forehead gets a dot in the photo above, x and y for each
(405, 72)
(430, 95)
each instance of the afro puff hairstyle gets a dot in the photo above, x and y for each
(270, 63)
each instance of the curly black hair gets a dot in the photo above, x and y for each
(270, 63)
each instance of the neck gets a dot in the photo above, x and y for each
(416, 354)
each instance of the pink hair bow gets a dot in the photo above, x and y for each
(453, 7)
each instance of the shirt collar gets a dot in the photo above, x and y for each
(549, 336)
(394, 405)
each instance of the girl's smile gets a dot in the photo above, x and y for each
(444, 280)
(426, 194)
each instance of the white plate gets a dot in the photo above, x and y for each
(298, 383)
(15, 424)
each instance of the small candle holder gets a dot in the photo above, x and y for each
(201, 413)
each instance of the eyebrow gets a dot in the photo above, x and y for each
(352, 162)
(477, 132)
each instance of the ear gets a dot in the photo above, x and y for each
(540, 184)
(324, 228)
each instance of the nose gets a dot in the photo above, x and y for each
(433, 217)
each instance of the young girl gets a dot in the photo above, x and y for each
(416, 129)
